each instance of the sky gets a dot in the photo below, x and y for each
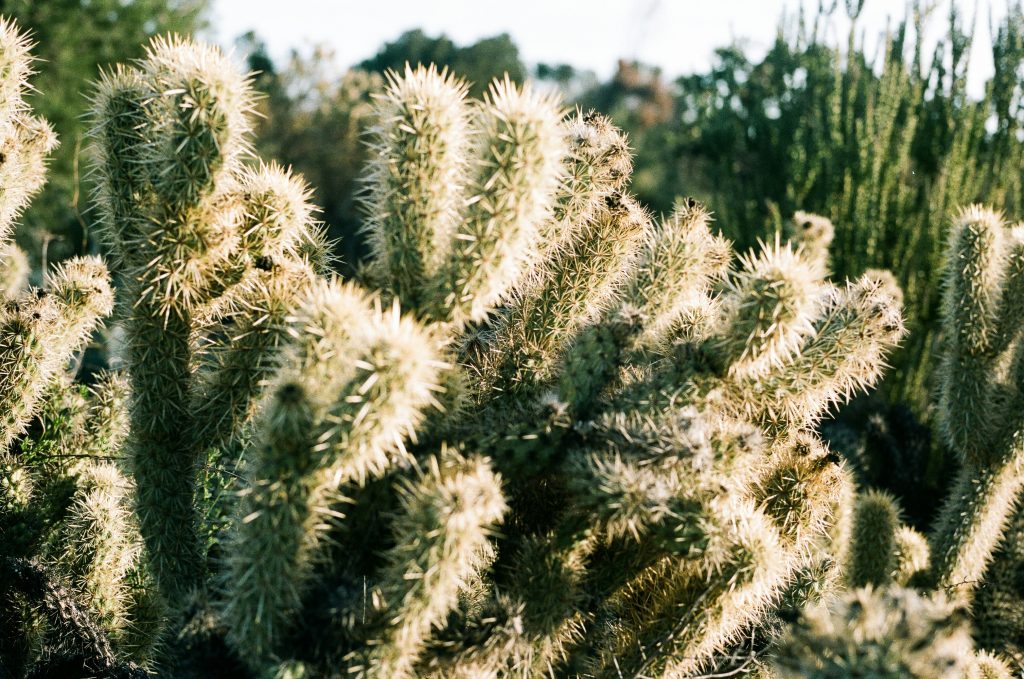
(677, 35)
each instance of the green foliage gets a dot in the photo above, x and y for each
(883, 141)
(479, 63)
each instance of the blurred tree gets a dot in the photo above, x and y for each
(573, 83)
(636, 94)
(479, 63)
(313, 117)
(74, 39)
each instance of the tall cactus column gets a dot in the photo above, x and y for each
(980, 407)
(171, 133)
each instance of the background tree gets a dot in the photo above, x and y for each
(478, 63)
(314, 116)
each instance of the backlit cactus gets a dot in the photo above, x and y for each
(873, 557)
(878, 633)
(66, 536)
(545, 434)
(980, 405)
(979, 413)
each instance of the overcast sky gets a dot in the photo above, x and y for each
(678, 35)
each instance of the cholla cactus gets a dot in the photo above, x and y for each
(357, 383)
(873, 555)
(614, 362)
(66, 536)
(978, 413)
(209, 249)
(885, 633)
(173, 131)
(561, 440)
(979, 407)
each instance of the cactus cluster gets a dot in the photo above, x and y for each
(543, 434)
(979, 415)
(68, 545)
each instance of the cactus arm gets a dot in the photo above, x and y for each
(170, 136)
(978, 418)
(680, 264)
(971, 521)
(974, 276)
(446, 516)
(356, 383)
(99, 543)
(519, 149)
(598, 164)
(873, 558)
(769, 311)
(580, 284)
(270, 546)
(39, 334)
(416, 178)
(858, 325)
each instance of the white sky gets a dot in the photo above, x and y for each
(678, 35)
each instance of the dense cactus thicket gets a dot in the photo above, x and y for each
(544, 434)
